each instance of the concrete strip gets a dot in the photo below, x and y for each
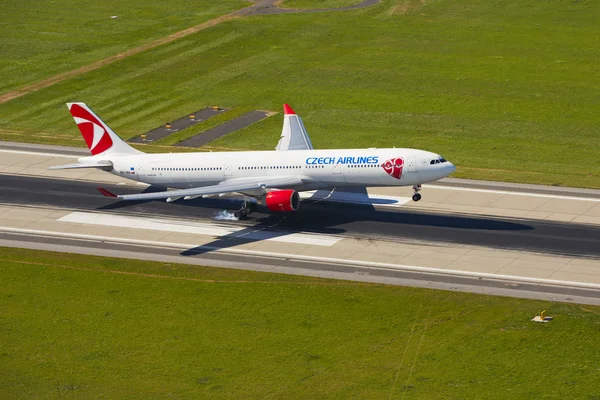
(13, 223)
(526, 272)
(526, 194)
(594, 211)
(584, 219)
(41, 148)
(514, 213)
(36, 153)
(425, 262)
(561, 206)
(524, 203)
(582, 266)
(517, 187)
(288, 248)
(211, 230)
(588, 278)
(445, 257)
(582, 280)
(467, 199)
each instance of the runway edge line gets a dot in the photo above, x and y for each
(352, 263)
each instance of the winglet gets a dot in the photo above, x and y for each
(106, 193)
(287, 110)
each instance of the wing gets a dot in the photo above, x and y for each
(251, 187)
(293, 135)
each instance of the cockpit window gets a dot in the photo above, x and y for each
(441, 159)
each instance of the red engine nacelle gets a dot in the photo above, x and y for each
(282, 200)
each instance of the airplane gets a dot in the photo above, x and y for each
(269, 178)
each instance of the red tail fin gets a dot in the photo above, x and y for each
(97, 135)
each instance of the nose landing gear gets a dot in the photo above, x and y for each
(417, 195)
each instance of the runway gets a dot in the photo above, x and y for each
(407, 226)
(518, 240)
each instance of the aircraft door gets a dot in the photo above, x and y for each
(227, 172)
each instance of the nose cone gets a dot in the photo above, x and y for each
(451, 168)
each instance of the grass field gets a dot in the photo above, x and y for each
(507, 90)
(44, 38)
(89, 327)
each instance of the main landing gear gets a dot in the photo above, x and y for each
(247, 208)
(417, 195)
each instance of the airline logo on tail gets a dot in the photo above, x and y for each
(393, 167)
(95, 135)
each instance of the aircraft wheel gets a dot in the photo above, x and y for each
(416, 197)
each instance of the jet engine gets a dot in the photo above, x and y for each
(282, 200)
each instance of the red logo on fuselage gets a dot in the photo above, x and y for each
(393, 167)
(92, 130)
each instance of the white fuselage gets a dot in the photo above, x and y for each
(324, 168)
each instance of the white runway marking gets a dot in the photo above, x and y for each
(529, 194)
(198, 228)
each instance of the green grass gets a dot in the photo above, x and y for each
(506, 90)
(43, 38)
(90, 327)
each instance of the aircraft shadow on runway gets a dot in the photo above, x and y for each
(353, 220)
(361, 221)
(358, 221)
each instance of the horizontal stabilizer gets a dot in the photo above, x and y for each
(105, 164)
(106, 193)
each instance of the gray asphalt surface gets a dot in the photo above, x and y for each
(400, 225)
(177, 125)
(269, 7)
(230, 126)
